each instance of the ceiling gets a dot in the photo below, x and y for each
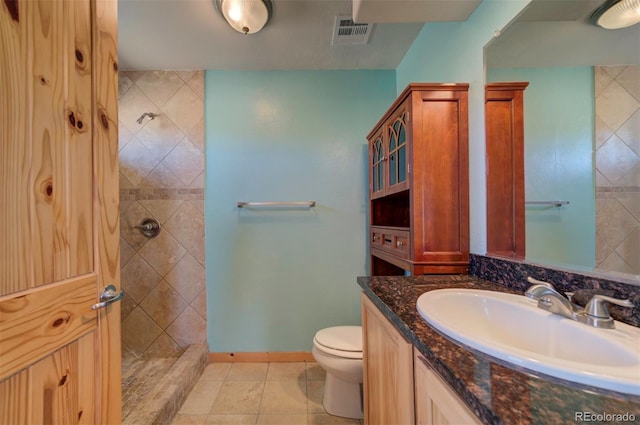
(558, 33)
(190, 34)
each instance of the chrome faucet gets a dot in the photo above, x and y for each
(594, 314)
(538, 289)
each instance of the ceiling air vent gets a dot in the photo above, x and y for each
(345, 31)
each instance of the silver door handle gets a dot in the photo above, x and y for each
(109, 295)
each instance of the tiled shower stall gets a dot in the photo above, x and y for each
(161, 177)
(617, 129)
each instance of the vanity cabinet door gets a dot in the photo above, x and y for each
(436, 403)
(388, 370)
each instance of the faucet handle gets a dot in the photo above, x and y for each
(539, 282)
(597, 308)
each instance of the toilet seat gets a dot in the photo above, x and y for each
(340, 341)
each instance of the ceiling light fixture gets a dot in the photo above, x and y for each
(245, 16)
(614, 14)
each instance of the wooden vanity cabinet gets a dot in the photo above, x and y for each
(388, 370)
(436, 403)
(419, 184)
(399, 387)
(504, 116)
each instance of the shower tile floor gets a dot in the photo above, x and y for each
(259, 394)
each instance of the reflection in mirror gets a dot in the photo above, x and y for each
(582, 134)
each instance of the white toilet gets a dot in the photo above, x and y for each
(338, 350)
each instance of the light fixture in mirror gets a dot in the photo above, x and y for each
(245, 16)
(615, 14)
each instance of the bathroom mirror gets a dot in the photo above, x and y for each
(575, 151)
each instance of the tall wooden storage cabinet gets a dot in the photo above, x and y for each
(419, 183)
(504, 116)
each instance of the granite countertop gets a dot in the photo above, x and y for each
(496, 391)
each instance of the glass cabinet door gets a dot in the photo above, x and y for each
(377, 166)
(398, 152)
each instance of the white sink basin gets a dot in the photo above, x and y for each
(512, 328)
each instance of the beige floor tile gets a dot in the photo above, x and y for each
(315, 392)
(284, 397)
(300, 419)
(247, 371)
(315, 372)
(231, 419)
(215, 372)
(201, 398)
(326, 419)
(237, 397)
(286, 371)
(181, 419)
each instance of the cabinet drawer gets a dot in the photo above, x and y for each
(392, 240)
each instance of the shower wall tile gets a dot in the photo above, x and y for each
(160, 135)
(133, 75)
(196, 135)
(131, 214)
(185, 162)
(199, 304)
(139, 278)
(197, 83)
(189, 328)
(163, 252)
(629, 79)
(124, 84)
(127, 306)
(124, 136)
(139, 331)
(186, 75)
(197, 251)
(163, 346)
(162, 209)
(132, 105)
(187, 224)
(162, 176)
(615, 159)
(159, 86)
(187, 277)
(186, 108)
(163, 304)
(137, 160)
(630, 131)
(618, 168)
(126, 252)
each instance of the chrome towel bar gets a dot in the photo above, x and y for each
(554, 203)
(303, 204)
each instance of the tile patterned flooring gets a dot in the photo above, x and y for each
(259, 394)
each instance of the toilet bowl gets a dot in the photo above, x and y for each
(338, 350)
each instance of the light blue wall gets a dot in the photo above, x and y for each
(275, 277)
(559, 149)
(453, 52)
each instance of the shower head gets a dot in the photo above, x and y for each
(151, 116)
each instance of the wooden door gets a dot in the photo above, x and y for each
(59, 358)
